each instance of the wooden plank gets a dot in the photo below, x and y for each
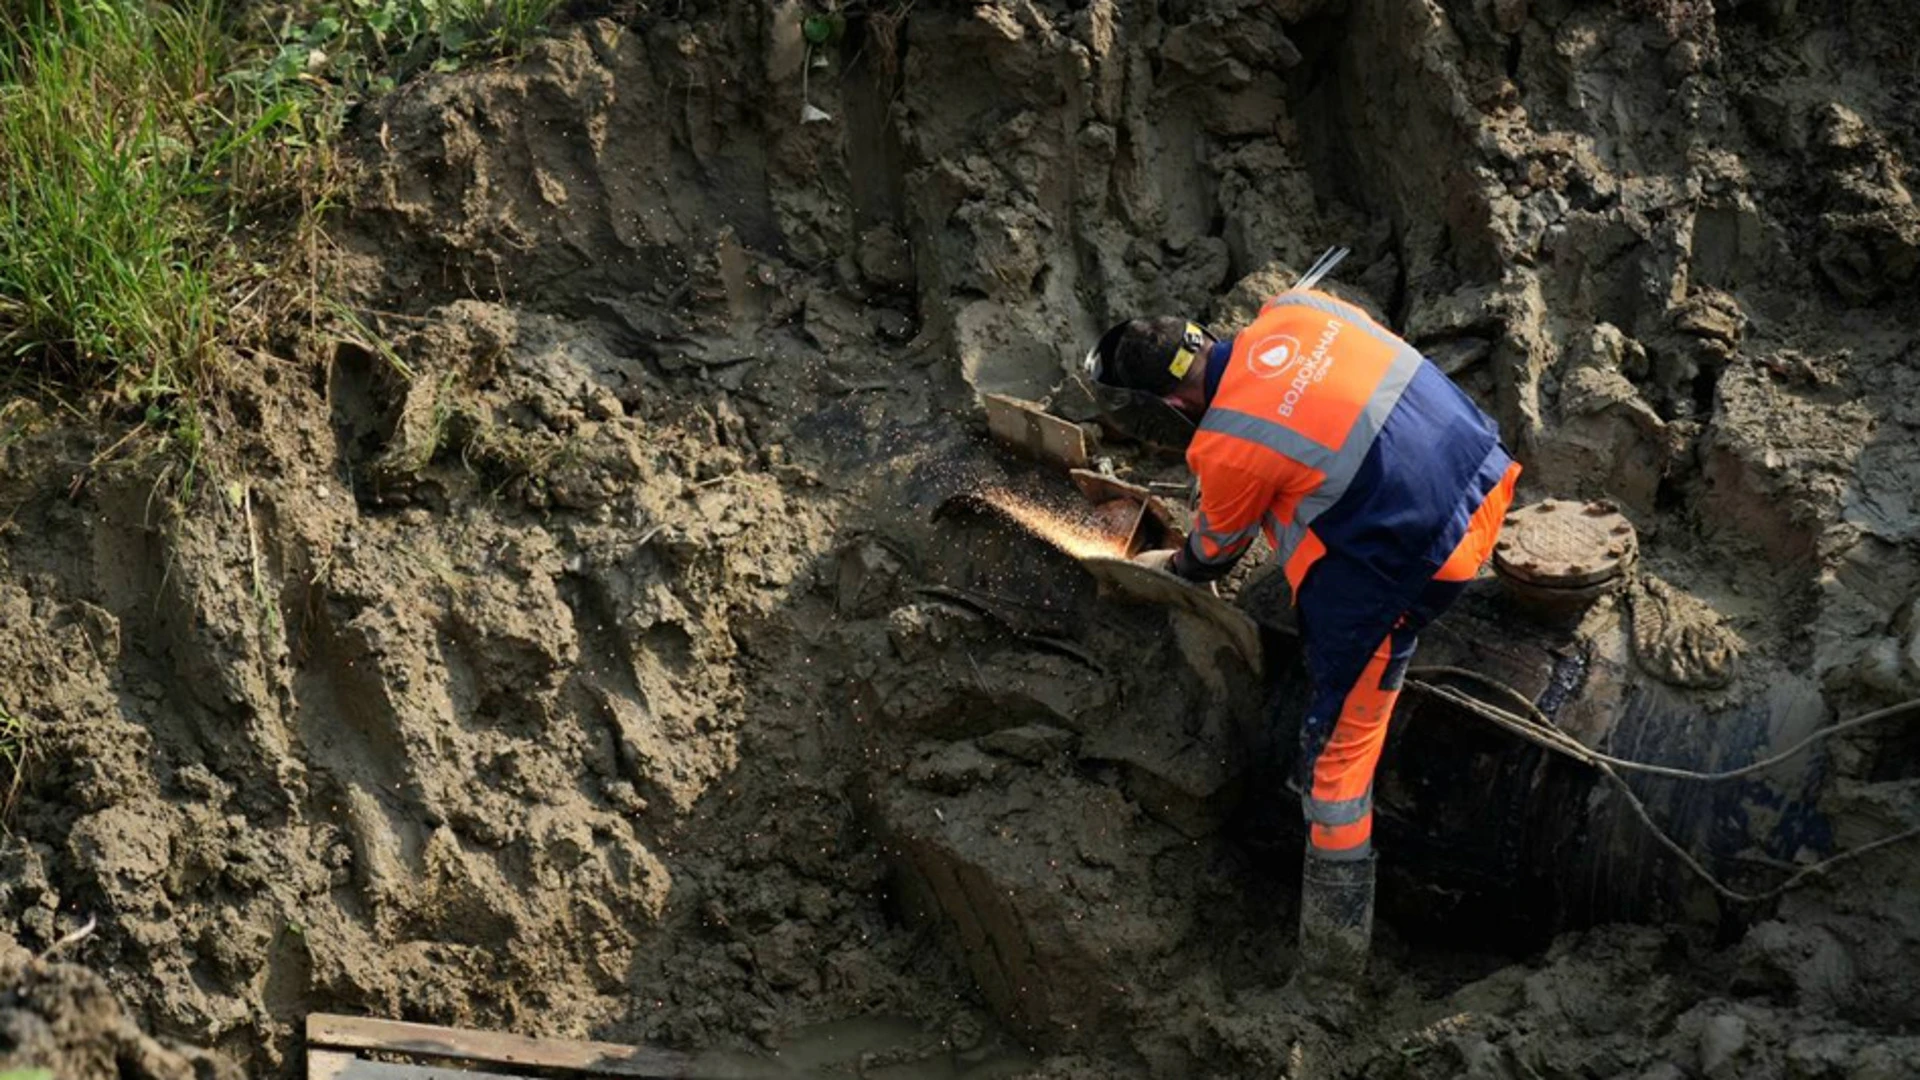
(337, 1065)
(1026, 426)
(331, 1032)
(326, 1064)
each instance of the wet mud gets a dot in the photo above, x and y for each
(603, 669)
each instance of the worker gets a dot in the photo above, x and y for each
(1381, 487)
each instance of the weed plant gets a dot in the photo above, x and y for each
(16, 754)
(111, 131)
(141, 140)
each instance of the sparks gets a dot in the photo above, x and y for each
(1079, 535)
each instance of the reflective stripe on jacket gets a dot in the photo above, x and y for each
(1293, 443)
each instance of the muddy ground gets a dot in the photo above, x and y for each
(583, 656)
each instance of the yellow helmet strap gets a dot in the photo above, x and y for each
(1192, 341)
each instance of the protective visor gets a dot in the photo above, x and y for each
(1193, 342)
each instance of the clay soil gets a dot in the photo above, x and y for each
(585, 656)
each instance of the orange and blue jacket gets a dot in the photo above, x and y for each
(1328, 432)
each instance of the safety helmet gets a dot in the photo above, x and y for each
(1148, 355)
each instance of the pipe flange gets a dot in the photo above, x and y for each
(1561, 544)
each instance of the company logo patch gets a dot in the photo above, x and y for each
(1273, 357)
(1312, 369)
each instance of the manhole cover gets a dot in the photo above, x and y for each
(1565, 545)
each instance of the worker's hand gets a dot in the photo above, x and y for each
(1161, 560)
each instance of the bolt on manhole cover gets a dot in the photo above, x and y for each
(1565, 545)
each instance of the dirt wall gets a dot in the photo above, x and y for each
(597, 667)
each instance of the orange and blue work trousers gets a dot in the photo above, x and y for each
(1346, 724)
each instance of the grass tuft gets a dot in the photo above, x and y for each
(118, 138)
(135, 133)
(16, 755)
(164, 169)
(92, 273)
(504, 27)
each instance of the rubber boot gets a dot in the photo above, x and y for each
(1336, 933)
(1336, 917)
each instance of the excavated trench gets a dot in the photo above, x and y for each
(617, 672)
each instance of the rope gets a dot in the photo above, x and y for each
(1666, 770)
(1538, 728)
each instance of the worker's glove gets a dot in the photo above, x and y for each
(1161, 560)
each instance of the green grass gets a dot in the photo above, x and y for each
(365, 47)
(121, 143)
(505, 26)
(142, 144)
